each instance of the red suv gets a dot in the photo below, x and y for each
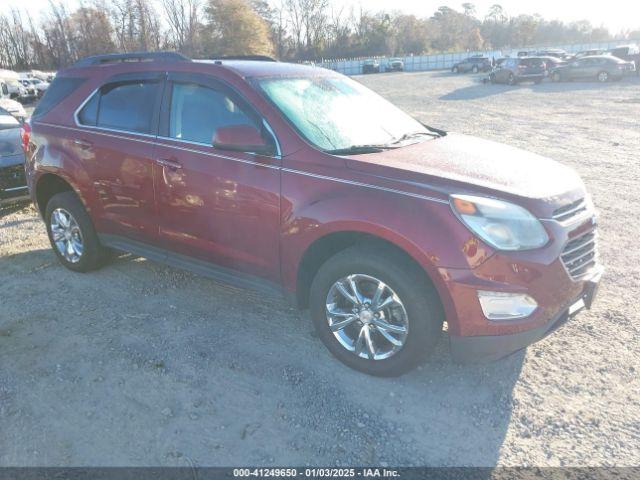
(297, 180)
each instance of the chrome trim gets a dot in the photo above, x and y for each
(288, 170)
(14, 189)
(84, 102)
(366, 185)
(211, 154)
(275, 138)
(592, 268)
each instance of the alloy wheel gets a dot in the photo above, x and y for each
(66, 234)
(603, 77)
(367, 317)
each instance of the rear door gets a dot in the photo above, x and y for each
(217, 206)
(117, 130)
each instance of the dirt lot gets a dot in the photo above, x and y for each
(139, 364)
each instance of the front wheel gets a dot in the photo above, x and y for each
(556, 77)
(455, 69)
(475, 69)
(72, 235)
(375, 310)
(603, 77)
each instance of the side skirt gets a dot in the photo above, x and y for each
(199, 267)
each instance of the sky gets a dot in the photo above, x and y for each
(617, 15)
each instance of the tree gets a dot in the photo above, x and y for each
(234, 28)
(90, 32)
(183, 20)
(469, 9)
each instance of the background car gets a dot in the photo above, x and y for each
(395, 65)
(515, 70)
(16, 89)
(589, 53)
(12, 180)
(371, 66)
(13, 107)
(32, 93)
(600, 67)
(39, 86)
(472, 64)
(552, 52)
(629, 53)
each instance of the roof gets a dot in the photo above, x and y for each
(252, 68)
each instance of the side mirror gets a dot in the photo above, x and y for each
(241, 138)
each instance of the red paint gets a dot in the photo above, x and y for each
(259, 214)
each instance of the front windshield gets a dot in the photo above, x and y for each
(337, 113)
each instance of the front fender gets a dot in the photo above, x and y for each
(426, 230)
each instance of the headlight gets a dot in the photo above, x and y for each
(502, 225)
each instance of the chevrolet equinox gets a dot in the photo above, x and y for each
(299, 181)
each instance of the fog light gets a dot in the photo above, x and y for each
(506, 306)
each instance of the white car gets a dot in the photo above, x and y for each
(14, 108)
(39, 85)
(16, 89)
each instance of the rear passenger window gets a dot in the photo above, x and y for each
(127, 106)
(198, 111)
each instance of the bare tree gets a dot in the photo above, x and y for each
(183, 19)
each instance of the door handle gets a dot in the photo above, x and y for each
(83, 144)
(170, 164)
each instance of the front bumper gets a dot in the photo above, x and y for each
(487, 348)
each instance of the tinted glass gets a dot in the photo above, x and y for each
(89, 113)
(198, 111)
(128, 106)
(59, 89)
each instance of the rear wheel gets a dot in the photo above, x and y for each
(455, 69)
(556, 77)
(512, 79)
(603, 77)
(375, 311)
(475, 69)
(72, 235)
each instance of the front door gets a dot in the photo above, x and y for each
(218, 206)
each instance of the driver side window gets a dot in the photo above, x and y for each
(198, 111)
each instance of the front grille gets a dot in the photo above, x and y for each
(569, 211)
(580, 254)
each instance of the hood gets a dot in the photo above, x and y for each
(474, 162)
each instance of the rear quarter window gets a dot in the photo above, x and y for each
(59, 89)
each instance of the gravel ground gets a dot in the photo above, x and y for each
(139, 364)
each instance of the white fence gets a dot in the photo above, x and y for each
(444, 61)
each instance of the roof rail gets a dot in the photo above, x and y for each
(253, 58)
(131, 57)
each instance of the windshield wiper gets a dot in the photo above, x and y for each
(359, 149)
(409, 136)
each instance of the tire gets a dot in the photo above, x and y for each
(92, 254)
(419, 306)
(512, 79)
(603, 77)
(538, 81)
(455, 70)
(475, 69)
(556, 77)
